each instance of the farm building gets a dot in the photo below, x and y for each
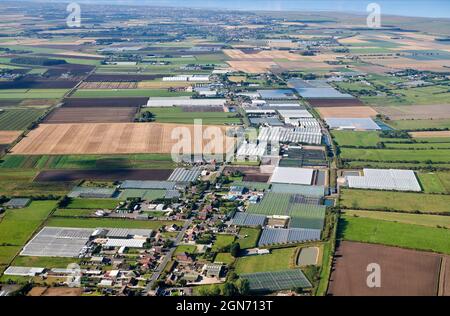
(292, 175)
(257, 112)
(306, 190)
(23, 271)
(136, 184)
(212, 270)
(86, 192)
(277, 94)
(58, 242)
(290, 135)
(247, 219)
(126, 233)
(380, 179)
(184, 101)
(266, 121)
(128, 243)
(185, 175)
(251, 151)
(359, 124)
(195, 78)
(294, 114)
(263, 282)
(17, 203)
(270, 236)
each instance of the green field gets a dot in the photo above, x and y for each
(222, 241)
(397, 155)
(18, 119)
(74, 212)
(395, 201)
(394, 234)
(185, 248)
(277, 260)
(435, 182)
(141, 161)
(93, 204)
(406, 218)
(32, 93)
(350, 138)
(437, 94)
(149, 195)
(20, 183)
(44, 262)
(224, 257)
(393, 165)
(418, 146)
(111, 93)
(177, 115)
(252, 237)
(105, 222)
(412, 125)
(17, 226)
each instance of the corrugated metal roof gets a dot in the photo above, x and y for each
(292, 175)
(130, 243)
(390, 179)
(270, 236)
(352, 123)
(290, 135)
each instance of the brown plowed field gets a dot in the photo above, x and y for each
(91, 115)
(7, 137)
(335, 102)
(416, 112)
(109, 85)
(104, 102)
(114, 138)
(105, 175)
(347, 111)
(403, 272)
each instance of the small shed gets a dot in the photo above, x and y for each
(17, 203)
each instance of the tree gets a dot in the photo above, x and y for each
(229, 289)
(235, 249)
(243, 286)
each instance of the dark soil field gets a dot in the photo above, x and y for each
(74, 69)
(202, 108)
(252, 174)
(257, 177)
(91, 115)
(38, 84)
(3, 149)
(106, 175)
(335, 102)
(403, 272)
(104, 102)
(120, 78)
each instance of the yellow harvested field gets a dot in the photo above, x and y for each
(265, 55)
(237, 78)
(430, 134)
(344, 112)
(163, 84)
(7, 137)
(252, 67)
(115, 138)
(406, 63)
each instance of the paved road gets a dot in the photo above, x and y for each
(167, 258)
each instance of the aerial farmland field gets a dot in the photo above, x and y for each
(116, 138)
